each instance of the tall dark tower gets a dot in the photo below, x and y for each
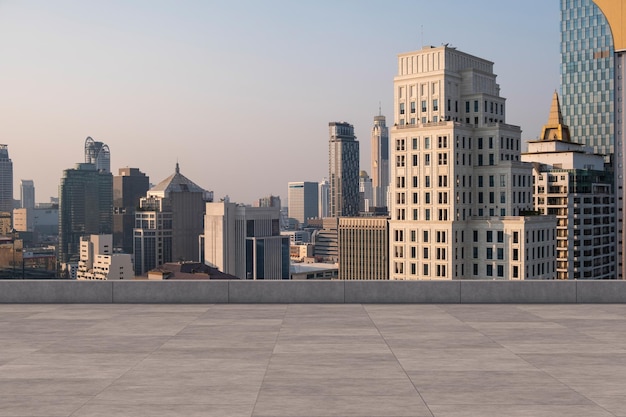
(380, 161)
(6, 180)
(343, 170)
(128, 187)
(85, 207)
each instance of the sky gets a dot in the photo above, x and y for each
(240, 93)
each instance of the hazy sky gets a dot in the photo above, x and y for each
(240, 93)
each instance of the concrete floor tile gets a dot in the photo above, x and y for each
(34, 406)
(55, 386)
(164, 410)
(523, 410)
(345, 386)
(340, 406)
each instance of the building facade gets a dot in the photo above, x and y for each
(587, 75)
(324, 194)
(461, 196)
(6, 180)
(98, 261)
(302, 198)
(168, 223)
(380, 161)
(363, 248)
(343, 170)
(128, 187)
(27, 194)
(245, 241)
(85, 208)
(615, 13)
(366, 192)
(571, 183)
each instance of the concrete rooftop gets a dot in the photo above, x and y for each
(312, 360)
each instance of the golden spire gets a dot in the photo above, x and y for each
(555, 129)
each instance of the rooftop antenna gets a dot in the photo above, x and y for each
(380, 113)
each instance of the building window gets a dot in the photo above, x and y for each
(443, 158)
(414, 142)
(491, 181)
(489, 236)
(401, 108)
(427, 143)
(435, 105)
(489, 270)
(412, 107)
(500, 236)
(515, 237)
(501, 270)
(423, 106)
(425, 253)
(500, 253)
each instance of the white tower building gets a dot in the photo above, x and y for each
(380, 161)
(461, 204)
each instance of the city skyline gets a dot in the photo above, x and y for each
(228, 90)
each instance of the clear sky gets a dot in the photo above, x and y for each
(240, 93)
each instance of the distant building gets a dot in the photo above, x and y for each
(245, 241)
(343, 170)
(380, 161)
(168, 223)
(6, 181)
(27, 194)
(571, 183)
(269, 201)
(128, 187)
(97, 260)
(366, 192)
(324, 195)
(326, 240)
(85, 208)
(363, 248)
(187, 271)
(97, 153)
(303, 198)
(39, 221)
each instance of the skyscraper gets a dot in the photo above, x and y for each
(169, 222)
(587, 75)
(6, 180)
(302, 198)
(615, 13)
(85, 208)
(460, 193)
(323, 194)
(128, 187)
(27, 194)
(380, 161)
(343, 170)
(97, 153)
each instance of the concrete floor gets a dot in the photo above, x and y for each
(313, 360)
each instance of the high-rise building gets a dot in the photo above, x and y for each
(366, 192)
(363, 248)
(615, 13)
(324, 194)
(128, 187)
(85, 208)
(302, 197)
(343, 170)
(587, 75)
(571, 182)
(460, 195)
(380, 161)
(169, 222)
(97, 153)
(245, 241)
(6, 180)
(27, 194)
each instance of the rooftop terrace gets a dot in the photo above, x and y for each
(436, 360)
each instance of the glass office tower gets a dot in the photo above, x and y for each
(587, 75)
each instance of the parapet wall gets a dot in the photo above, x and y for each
(318, 292)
